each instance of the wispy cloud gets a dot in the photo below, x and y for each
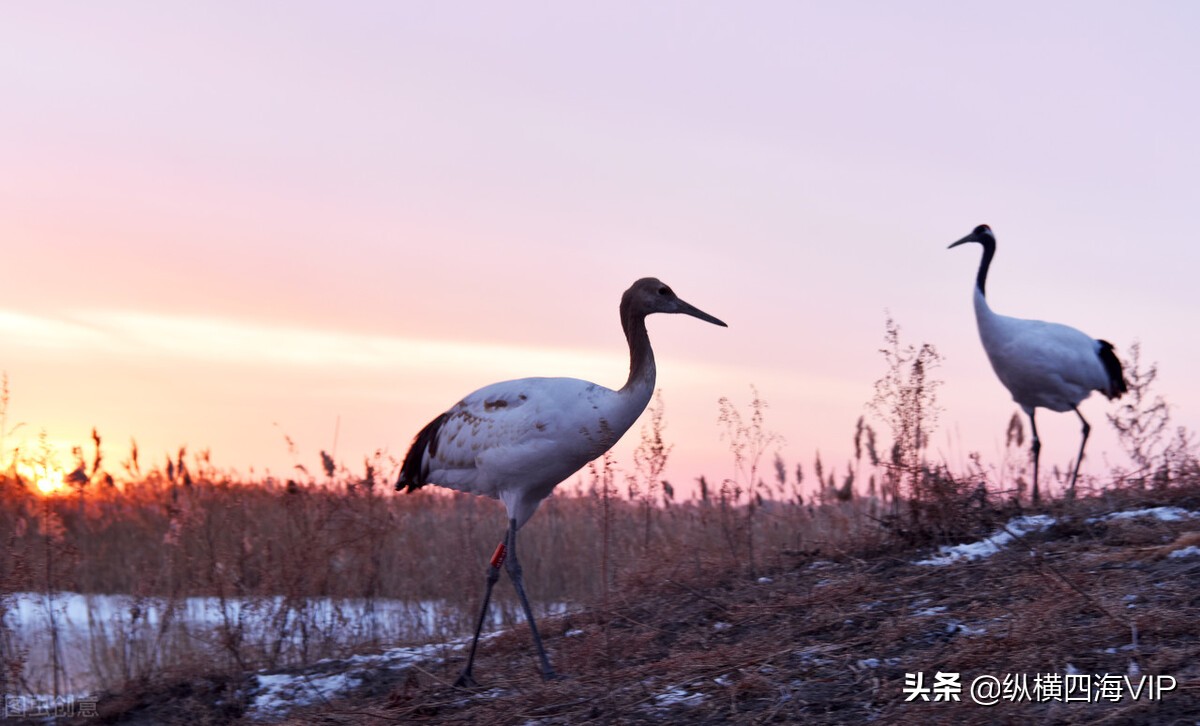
(238, 342)
(48, 333)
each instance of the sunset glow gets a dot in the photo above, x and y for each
(46, 479)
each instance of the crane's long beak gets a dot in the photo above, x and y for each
(969, 238)
(695, 312)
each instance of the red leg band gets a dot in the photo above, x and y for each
(498, 555)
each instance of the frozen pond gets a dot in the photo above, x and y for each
(70, 643)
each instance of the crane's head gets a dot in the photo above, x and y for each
(650, 295)
(982, 234)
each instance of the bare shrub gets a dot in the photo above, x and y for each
(940, 506)
(748, 443)
(1142, 424)
(906, 401)
(649, 461)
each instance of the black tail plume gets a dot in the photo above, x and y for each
(414, 470)
(1112, 366)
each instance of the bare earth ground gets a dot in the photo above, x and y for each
(828, 639)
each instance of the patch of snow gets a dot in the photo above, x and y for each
(678, 697)
(926, 612)
(573, 633)
(765, 581)
(491, 693)
(868, 663)
(1072, 670)
(274, 694)
(1192, 551)
(814, 654)
(955, 626)
(719, 626)
(1164, 514)
(794, 685)
(949, 554)
(723, 680)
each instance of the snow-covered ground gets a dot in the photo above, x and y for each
(105, 640)
(272, 695)
(1165, 514)
(949, 554)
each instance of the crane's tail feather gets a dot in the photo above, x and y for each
(1112, 366)
(414, 470)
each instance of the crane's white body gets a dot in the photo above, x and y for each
(516, 440)
(1043, 365)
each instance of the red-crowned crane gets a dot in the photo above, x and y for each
(515, 441)
(1043, 365)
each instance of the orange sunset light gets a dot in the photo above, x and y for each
(47, 479)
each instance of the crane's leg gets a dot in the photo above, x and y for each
(1087, 429)
(1037, 449)
(514, 572)
(465, 679)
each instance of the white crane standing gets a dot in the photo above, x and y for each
(515, 441)
(1043, 365)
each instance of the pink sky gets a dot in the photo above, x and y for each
(226, 222)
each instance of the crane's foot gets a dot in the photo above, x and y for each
(466, 681)
(553, 676)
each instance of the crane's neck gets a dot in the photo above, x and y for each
(984, 317)
(989, 251)
(641, 357)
